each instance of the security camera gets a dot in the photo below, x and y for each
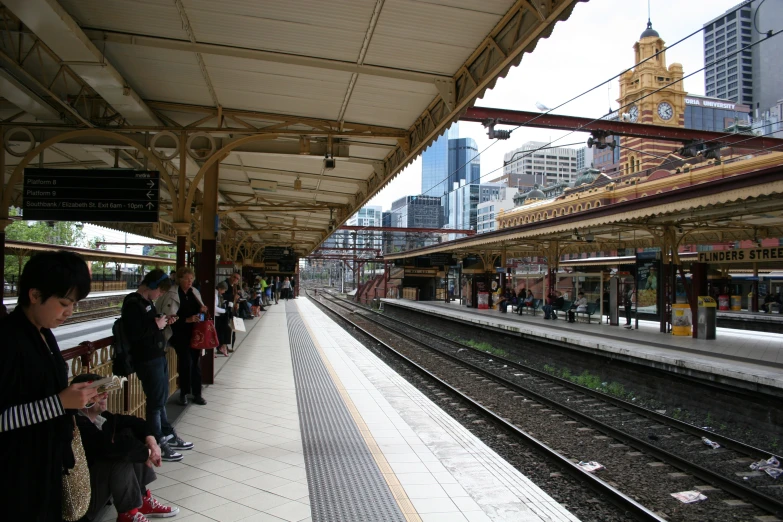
(589, 238)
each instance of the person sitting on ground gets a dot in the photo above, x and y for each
(580, 305)
(121, 452)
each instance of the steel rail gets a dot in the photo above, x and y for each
(758, 499)
(724, 441)
(618, 498)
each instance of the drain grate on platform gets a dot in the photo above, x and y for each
(344, 481)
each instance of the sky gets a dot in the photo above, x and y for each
(592, 46)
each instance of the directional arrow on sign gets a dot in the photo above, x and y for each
(150, 205)
(149, 195)
(151, 184)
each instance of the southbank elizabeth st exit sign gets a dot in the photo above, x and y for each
(129, 196)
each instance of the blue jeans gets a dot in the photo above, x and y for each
(154, 377)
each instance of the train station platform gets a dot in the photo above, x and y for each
(304, 423)
(751, 358)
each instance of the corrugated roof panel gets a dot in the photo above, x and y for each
(391, 103)
(276, 69)
(421, 36)
(158, 74)
(278, 103)
(148, 17)
(304, 34)
(263, 84)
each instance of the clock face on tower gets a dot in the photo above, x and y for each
(665, 111)
(633, 113)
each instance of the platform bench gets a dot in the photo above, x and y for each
(592, 308)
(538, 304)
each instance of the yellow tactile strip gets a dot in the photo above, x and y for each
(406, 506)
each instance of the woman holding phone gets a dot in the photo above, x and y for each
(185, 302)
(36, 403)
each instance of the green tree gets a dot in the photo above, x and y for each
(52, 232)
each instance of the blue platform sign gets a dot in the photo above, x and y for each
(122, 195)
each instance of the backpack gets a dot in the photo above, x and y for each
(122, 362)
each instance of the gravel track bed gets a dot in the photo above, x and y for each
(640, 476)
(730, 464)
(571, 493)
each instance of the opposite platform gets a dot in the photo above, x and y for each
(753, 358)
(304, 423)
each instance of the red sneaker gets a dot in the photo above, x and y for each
(153, 509)
(132, 516)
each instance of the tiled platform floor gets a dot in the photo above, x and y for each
(248, 463)
(756, 357)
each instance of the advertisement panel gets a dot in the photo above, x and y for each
(648, 269)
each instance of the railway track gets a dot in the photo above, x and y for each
(91, 315)
(622, 425)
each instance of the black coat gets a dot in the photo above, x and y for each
(121, 438)
(138, 317)
(32, 457)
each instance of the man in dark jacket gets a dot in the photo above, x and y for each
(121, 452)
(144, 328)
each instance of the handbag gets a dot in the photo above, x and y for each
(238, 324)
(204, 336)
(76, 482)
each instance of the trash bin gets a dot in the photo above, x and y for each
(736, 303)
(681, 319)
(706, 317)
(723, 302)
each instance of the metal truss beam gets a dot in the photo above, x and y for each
(408, 230)
(55, 27)
(617, 128)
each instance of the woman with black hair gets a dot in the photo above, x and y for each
(36, 403)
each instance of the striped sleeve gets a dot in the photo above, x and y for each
(31, 413)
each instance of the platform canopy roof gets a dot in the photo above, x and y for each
(281, 84)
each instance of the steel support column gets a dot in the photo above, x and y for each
(698, 287)
(208, 260)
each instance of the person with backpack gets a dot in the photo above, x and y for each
(144, 328)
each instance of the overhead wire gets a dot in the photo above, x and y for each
(549, 111)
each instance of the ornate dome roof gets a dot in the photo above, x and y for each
(649, 31)
(586, 178)
(535, 194)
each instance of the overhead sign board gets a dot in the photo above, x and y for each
(745, 255)
(129, 196)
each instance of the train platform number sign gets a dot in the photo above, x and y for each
(124, 195)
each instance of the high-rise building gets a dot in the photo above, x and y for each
(584, 158)
(488, 211)
(533, 163)
(369, 216)
(463, 203)
(436, 166)
(753, 76)
(417, 212)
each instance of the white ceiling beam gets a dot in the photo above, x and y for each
(257, 55)
(25, 99)
(55, 27)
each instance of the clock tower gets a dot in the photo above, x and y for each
(650, 93)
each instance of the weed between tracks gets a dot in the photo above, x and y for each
(483, 346)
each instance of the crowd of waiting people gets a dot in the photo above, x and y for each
(40, 408)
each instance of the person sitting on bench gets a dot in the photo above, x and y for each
(580, 305)
(121, 453)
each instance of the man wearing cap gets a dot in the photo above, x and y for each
(144, 327)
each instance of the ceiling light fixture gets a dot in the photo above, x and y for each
(329, 162)
(297, 184)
